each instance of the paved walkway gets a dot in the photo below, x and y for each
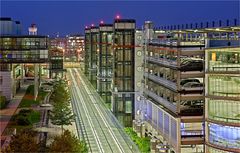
(7, 113)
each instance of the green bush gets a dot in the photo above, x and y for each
(30, 90)
(25, 112)
(27, 117)
(3, 102)
(142, 143)
(22, 120)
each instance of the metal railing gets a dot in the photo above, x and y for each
(161, 100)
(165, 82)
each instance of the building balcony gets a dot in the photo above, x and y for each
(191, 105)
(161, 100)
(164, 62)
(177, 42)
(169, 84)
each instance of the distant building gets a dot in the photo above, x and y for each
(74, 48)
(56, 67)
(10, 27)
(58, 42)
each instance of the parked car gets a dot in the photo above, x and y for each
(192, 86)
(184, 81)
(195, 104)
(192, 65)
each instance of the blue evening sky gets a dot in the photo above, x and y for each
(69, 17)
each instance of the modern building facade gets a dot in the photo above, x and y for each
(15, 51)
(93, 55)
(87, 50)
(123, 88)
(105, 62)
(56, 67)
(174, 90)
(74, 48)
(172, 110)
(222, 108)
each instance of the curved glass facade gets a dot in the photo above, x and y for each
(224, 110)
(224, 85)
(225, 136)
(214, 150)
(224, 59)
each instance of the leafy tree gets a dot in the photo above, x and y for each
(24, 141)
(67, 142)
(60, 98)
(60, 93)
(62, 115)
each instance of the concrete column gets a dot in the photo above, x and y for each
(13, 81)
(22, 74)
(36, 83)
(40, 73)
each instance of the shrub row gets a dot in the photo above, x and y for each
(142, 143)
(27, 117)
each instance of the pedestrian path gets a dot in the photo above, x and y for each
(7, 113)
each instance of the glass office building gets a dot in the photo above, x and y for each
(93, 55)
(23, 49)
(123, 70)
(87, 50)
(105, 62)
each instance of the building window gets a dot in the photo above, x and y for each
(227, 86)
(224, 110)
(227, 60)
(225, 136)
(128, 107)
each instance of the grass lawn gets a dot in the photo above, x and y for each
(142, 143)
(34, 117)
(108, 105)
(28, 99)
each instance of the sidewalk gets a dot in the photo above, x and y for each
(6, 113)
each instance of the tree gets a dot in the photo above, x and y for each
(24, 141)
(67, 142)
(62, 115)
(60, 93)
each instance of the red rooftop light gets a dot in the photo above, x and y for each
(118, 17)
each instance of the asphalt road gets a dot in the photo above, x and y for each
(95, 122)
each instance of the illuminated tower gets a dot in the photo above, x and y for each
(32, 30)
